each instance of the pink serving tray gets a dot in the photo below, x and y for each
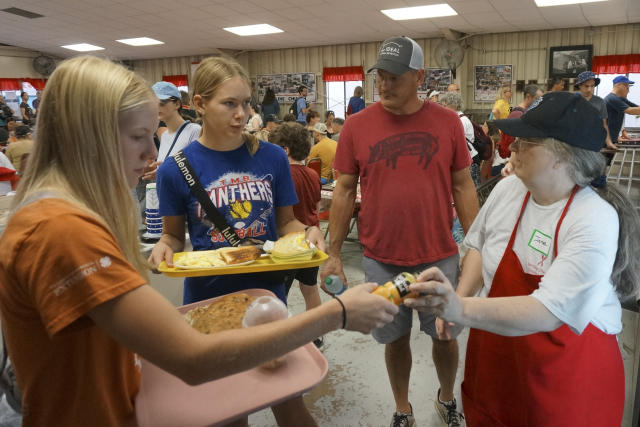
(165, 400)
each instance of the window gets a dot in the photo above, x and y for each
(605, 86)
(338, 95)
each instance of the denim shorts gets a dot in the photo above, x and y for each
(378, 272)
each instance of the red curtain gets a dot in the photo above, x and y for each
(37, 84)
(616, 64)
(343, 74)
(10, 84)
(179, 80)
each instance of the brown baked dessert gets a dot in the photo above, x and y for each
(240, 254)
(226, 313)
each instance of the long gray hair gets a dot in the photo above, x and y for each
(584, 166)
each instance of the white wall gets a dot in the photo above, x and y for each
(528, 52)
(16, 62)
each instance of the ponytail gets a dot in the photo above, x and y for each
(251, 142)
(626, 269)
(586, 168)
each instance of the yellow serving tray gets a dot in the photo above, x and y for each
(261, 264)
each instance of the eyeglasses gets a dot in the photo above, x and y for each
(523, 144)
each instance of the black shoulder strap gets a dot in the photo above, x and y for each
(213, 214)
(182, 126)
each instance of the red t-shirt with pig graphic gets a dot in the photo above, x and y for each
(405, 164)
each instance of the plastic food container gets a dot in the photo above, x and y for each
(266, 309)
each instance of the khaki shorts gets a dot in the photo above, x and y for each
(380, 273)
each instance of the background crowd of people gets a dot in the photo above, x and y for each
(550, 252)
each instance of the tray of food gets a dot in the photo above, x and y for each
(289, 252)
(165, 400)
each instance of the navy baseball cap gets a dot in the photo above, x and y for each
(271, 118)
(622, 79)
(166, 90)
(565, 116)
(398, 55)
(584, 76)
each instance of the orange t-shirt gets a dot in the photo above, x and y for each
(57, 263)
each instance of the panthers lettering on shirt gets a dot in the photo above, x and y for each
(245, 189)
(246, 201)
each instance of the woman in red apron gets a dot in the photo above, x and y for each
(524, 365)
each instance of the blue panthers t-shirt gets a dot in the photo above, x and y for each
(245, 189)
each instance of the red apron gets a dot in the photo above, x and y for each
(553, 378)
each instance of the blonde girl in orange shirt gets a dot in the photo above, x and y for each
(74, 298)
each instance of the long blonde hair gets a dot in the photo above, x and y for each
(208, 77)
(78, 154)
(584, 166)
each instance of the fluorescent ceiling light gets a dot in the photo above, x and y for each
(82, 47)
(140, 41)
(545, 3)
(420, 12)
(253, 30)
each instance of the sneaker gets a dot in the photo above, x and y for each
(449, 413)
(318, 342)
(403, 420)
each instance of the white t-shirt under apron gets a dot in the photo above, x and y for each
(576, 286)
(191, 132)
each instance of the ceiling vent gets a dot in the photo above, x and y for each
(22, 12)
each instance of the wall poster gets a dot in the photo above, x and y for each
(286, 86)
(569, 61)
(487, 79)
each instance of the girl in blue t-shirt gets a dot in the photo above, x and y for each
(249, 182)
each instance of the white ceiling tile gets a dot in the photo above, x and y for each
(305, 22)
(467, 7)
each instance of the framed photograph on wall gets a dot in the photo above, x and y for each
(286, 86)
(569, 61)
(436, 79)
(487, 79)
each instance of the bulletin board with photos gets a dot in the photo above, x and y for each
(487, 80)
(286, 86)
(435, 79)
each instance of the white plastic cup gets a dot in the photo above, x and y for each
(266, 309)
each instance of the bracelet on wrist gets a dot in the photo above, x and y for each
(344, 312)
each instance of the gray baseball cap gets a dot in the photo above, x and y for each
(398, 55)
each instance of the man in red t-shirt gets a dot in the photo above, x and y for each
(411, 158)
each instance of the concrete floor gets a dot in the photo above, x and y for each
(356, 390)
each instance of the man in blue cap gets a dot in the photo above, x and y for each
(586, 84)
(618, 105)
